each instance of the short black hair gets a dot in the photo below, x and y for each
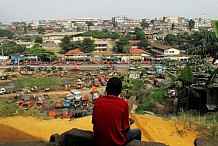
(114, 86)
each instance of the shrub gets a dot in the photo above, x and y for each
(150, 100)
(205, 126)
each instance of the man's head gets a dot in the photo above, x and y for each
(114, 86)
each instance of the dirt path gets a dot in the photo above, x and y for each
(153, 129)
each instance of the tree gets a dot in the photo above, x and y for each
(6, 33)
(173, 26)
(10, 47)
(87, 45)
(65, 44)
(187, 79)
(43, 54)
(122, 46)
(140, 35)
(170, 39)
(144, 25)
(41, 30)
(89, 24)
(38, 39)
(191, 24)
(215, 25)
(143, 44)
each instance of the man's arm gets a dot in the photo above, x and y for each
(126, 124)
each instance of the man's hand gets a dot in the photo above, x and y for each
(131, 121)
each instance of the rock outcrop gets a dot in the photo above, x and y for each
(77, 137)
(205, 142)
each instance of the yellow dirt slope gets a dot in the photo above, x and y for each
(153, 129)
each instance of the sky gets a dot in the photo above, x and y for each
(26, 10)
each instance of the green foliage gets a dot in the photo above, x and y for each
(87, 45)
(171, 39)
(215, 25)
(206, 126)
(122, 46)
(45, 55)
(200, 65)
(203, 43)
(10, 47)
(41, 30)
(9, 110)
(31, 82)
(150, 100)
(38, 39)
(186, 76)
(137, 88)
(143, 44)
(144, 25)
(6, 33)
(101, 34)
(140, 35)
(65, 44)
(173, 26)
(191, 24)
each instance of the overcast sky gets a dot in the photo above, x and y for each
(24, 10)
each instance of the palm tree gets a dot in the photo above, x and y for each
(215, 25)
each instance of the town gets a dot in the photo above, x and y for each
(56, 68)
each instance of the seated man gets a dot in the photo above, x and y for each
(111, 123)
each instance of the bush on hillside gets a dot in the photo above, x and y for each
(150, 101)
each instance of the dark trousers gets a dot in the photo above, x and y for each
(132, 134)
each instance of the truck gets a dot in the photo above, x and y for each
(8, 89)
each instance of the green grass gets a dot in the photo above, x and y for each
(10, 110)
(206, 126)
(42, 81)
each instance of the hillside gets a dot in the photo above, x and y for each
(153, 129)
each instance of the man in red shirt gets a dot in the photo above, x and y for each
(111, 123)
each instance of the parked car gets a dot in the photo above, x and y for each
(67, 103)
(66, 114)
(58, 104)
(74, 69)
(96, 82)
(77, 103)
(8, 89)
(27, 105)
(40, 104)
(80, 85)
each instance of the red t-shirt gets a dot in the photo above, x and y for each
(110, 116)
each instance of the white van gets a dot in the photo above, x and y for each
(76, 94)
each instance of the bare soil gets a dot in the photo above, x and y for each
(153, 129)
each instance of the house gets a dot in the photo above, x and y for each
(75, 55)
(56, 37)
(101, 46)
(139, 54)
(163, 50)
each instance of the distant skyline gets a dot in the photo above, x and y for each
(27, 10)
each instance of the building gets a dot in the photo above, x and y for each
(56, 37)
(75, 55)
(101, 46)
(163, 50)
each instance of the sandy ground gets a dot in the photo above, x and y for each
(154, 129)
